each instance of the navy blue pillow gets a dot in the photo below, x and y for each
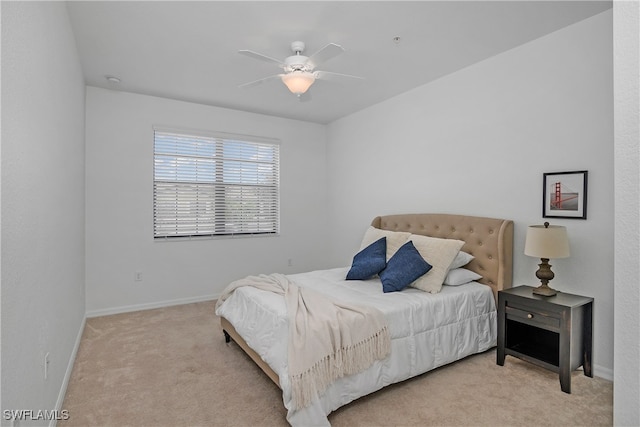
(369, 261)
(404, 267)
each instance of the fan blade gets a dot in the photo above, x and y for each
(326, 53)
(328, 75)
(259, 81)
(261, 57)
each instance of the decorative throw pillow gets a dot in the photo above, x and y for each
(440, 253)
(395, 239)
(460, 276)
(369, 261)
(405, 266)
(461, 260)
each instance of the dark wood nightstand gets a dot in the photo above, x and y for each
(553, 332)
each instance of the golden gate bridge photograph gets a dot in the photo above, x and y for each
(564, 195)
(563, 198)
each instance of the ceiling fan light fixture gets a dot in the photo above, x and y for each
(298, 82)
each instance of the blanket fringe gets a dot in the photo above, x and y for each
(346, 361)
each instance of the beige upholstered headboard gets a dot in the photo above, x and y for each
(489, 240)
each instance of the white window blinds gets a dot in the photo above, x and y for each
(206, 186)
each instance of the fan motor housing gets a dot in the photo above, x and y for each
(296, 62)
(297, 47)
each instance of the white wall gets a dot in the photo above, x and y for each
(43, 299)
(626, 385)
(119, 209)
(478, 141)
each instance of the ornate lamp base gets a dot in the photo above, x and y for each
(544, 290)
(545, 275)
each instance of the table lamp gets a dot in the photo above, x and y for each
(546, 242)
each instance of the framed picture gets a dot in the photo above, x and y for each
(564, 195)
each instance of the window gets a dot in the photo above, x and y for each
(207, 185)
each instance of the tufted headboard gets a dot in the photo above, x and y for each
(489, 240)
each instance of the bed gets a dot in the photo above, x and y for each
(427, 330)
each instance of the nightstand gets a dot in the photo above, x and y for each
(553, 332)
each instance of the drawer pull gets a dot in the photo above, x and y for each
(529, 316)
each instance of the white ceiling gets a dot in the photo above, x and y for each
(189, 50)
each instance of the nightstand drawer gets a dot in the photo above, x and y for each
(532, 317)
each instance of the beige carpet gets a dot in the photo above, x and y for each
(171, 367)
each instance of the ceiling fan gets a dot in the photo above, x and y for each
(299, 70)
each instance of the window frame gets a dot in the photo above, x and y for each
(225, 138)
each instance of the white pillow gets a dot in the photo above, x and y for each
(460, 276)
(439, 253)
(461, 260)
(395, 239)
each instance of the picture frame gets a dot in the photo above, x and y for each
(564, 195)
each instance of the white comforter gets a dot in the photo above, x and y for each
(427, 331)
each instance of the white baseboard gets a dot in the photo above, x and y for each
(67, 375)
(602, 372)
(148, 306)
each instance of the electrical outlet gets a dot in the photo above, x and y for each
(46, 365)
(137, 276)
(290, 262)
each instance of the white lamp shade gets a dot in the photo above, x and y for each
(298, 82)
(543, 242)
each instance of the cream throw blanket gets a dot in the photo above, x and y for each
(327, 339)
